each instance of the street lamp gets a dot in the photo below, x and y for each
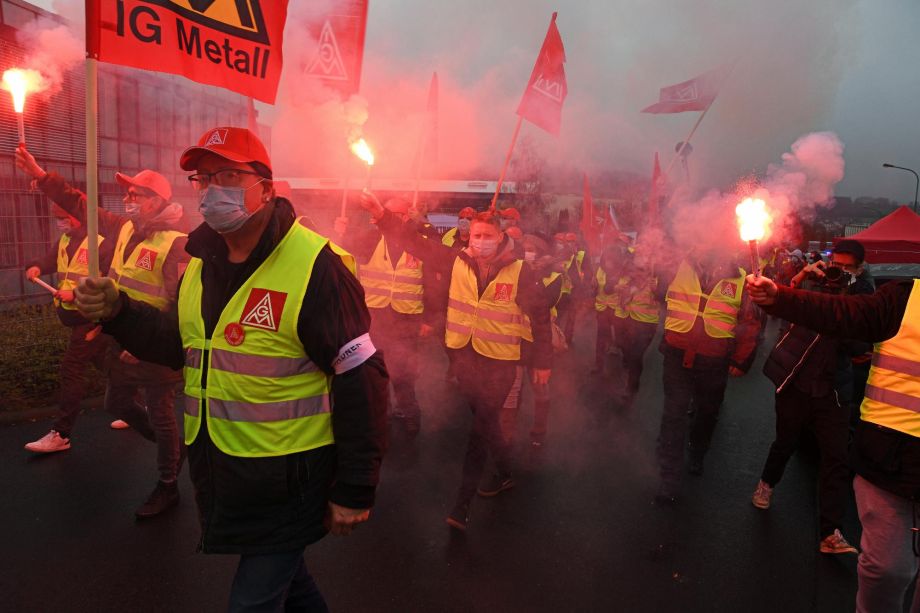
(916, 176)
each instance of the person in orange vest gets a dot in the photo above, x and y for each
(885, 451)
(490, 293)
(711, 332)
(148, 259)
(86, 345)
(394, 284)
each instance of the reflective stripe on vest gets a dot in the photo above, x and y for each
(140, 273)
(602, 300)
(892, 398)
(72, 270)
(493, 322)
(720, 315)
(263, 396)
(400, 288)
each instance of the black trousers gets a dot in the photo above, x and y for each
(633, 338)
(485, 383)
(698, 383)
(396, 335)
(797, 412)
(77, 358)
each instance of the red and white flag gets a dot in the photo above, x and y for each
(231, 44)
(697, 94)
(542, 101)
(340, 46)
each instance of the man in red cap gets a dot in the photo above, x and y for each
(395, 288)
(459, 237)
(270, 327)
(510, 218)
(148, 257)
(86, 346)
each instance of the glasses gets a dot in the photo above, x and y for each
(227, 177)
(132, 196)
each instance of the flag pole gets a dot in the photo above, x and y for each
(92, 163)
(686, 141)
(501, 177)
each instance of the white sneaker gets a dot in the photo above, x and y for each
(49, 443)
(119, 424)
(761, 497)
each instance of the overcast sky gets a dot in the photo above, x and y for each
(847, 66)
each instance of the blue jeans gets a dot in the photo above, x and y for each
(267, 583)
(887, 564)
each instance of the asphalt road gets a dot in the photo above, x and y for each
(579, 532)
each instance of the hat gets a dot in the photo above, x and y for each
(510, 213)
(853, 247)
(234, 144)
(467, 212)
(149, 180)
(397, 205)
(514, 232)
(571, 237)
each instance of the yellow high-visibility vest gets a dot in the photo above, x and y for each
(264, 396)
(892, 395)
(548, 280)
(72, 270)
(140, 274)
(720, 316)
(644, 307)
(400, 288)
(450, 237)
(576, 259)
(603, 300)
(494, 321)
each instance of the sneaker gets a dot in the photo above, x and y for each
(119, 424)
(459, 517)
(835, 543)
(164, 497)
(761, 497)
(49, 443)
(495, 486)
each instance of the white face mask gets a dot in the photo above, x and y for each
(63, 225)
(133, 209)
(483, 247)
(530, 256)
(464, 225)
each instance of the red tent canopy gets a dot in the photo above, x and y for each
(894, 239)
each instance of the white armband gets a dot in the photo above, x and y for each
(354, 354)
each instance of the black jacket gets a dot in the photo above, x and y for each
(264, 505)
(887, 458)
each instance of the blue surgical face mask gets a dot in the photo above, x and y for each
(224, 208)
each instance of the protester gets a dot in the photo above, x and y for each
(460, 236)
(510, 218)
(574, 287)
(148, 257)
(87, 346)
(490, 292)
(710, 333)
(270, 326)
(394, 284)
(886, 446)
(606, 303)
(804, 367)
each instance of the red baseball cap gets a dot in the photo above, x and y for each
(510, 213)
(149, 180)
(515, 233)
(234, 144)
(467, 212)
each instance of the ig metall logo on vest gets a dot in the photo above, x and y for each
(263, 309)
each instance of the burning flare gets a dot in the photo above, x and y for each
(361, 149)
(753, 219)
(19, 82)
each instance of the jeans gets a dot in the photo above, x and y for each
(887, 565)
(698, 382)
(485, 383)
(396, 335)
(156, 423)
(79, 355)
(268, 583)
(796, 412)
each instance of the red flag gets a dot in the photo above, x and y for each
(697, 94)
(588, 225)
(340, 46)
(542, 101)
(231, 44)
(653, 212)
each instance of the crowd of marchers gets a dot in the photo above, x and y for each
(284, 343)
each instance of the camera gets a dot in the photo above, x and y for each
(835, 280)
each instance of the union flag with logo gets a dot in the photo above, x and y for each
(339, 34)
(697, 94)
(234, 44)
(542, 101)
